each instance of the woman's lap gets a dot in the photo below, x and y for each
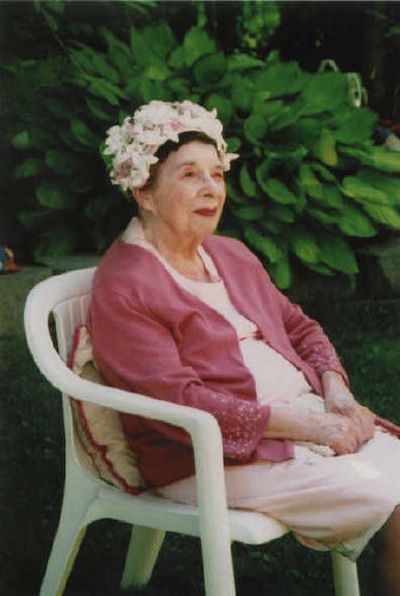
(329, 502)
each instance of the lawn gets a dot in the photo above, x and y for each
(366, 335)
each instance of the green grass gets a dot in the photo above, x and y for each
(31, 448)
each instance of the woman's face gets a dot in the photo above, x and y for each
(188, 195)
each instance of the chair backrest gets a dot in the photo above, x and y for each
(67, 298)
(68, 315)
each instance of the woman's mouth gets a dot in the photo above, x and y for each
(207, 212)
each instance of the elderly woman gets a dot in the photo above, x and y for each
(188, 317)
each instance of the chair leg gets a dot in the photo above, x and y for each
(344, 575)
(65, 549)
(80, 491)
(143, 549)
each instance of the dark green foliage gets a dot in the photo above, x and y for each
(310, 185)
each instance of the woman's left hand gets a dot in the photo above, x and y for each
(340, 400)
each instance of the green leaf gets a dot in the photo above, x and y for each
(250, 212)
(322, 216)
(385, 159)
(353, 222)
(380, 158)
(355, 125)
(321, 269)
(262, 173)
(160, 39)
(221, 104)
(235, 196)
(384, 214)
(104, 89)
(287, 116)
(290, 156)
(332, 196)
(28, 168)
(281, 274)
(284, 214)
(359, 154)
(82, 133)
(157, 71)
(141, 52)
(50, 194)
(361, 190)
(177, 58)
(337, 254)
(197, 43)
(271, 227)
(325, 149)
(21, 140)
(248, 185)
(255, 128)
(239, 61)
(264, 245)
(179, 85)
(62, 162)
(266, 108)
(309, 182)
(94, 62)
(324, 173)
(387, 184)
(242, 93)
(96, 109)
(278, 191)
(234, 144)
(325, 92)
(306, 131)
(305, 246)
(150, 90)
(280, 79)
(210, 69)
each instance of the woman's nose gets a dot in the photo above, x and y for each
(209, 184)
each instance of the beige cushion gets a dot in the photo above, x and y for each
(100, 429)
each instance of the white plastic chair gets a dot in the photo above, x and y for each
(87, 498)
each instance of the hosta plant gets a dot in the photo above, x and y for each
(310, 185)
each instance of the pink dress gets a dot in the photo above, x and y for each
(328, 501)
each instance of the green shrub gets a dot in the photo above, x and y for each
(310, 184)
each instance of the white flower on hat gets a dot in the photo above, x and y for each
(132, 146)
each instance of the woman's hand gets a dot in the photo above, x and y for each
(340, 401)
(344, 427)
(343, 434)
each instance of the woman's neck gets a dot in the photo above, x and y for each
(180, 254)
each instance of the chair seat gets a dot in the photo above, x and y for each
(156, 511)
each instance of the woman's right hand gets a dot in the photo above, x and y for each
(342, 433)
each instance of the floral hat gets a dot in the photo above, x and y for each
(132, 146)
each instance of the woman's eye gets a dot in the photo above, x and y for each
(188, 174)
(218, 176)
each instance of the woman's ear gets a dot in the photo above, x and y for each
(144, 198)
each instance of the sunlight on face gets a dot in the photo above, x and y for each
(189, 193)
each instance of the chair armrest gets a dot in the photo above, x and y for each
(202, 426)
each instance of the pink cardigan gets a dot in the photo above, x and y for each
(153, 337)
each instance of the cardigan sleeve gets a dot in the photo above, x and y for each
(308, 339)
(137, 352)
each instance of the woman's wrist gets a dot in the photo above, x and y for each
(292, 423)
(332, 381)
